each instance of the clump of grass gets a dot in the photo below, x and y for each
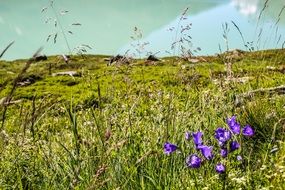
(111, 134)
(8, 99)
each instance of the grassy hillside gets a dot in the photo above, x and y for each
(106, 127)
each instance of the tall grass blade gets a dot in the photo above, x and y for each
(3, 52)
(8, 99)
(238, 29)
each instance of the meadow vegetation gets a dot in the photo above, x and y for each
(99, 122)
(105, 127)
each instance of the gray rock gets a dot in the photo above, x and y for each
(67, 73)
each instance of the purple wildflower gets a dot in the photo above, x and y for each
(222, 135)
(248, 131)
(234, 145)
(220, 168)
(234, 125)
(207, 152)
(187, 135)
(198, 147)
(197, 138)
(169, 148)
(193, 161)
(224, 152)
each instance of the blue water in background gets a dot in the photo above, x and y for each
(107, 25)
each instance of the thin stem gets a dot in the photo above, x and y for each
(60, 25)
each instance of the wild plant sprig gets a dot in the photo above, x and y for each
(182, 39)
(57, 22)
(81, 49)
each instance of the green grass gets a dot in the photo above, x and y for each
(106, 129)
